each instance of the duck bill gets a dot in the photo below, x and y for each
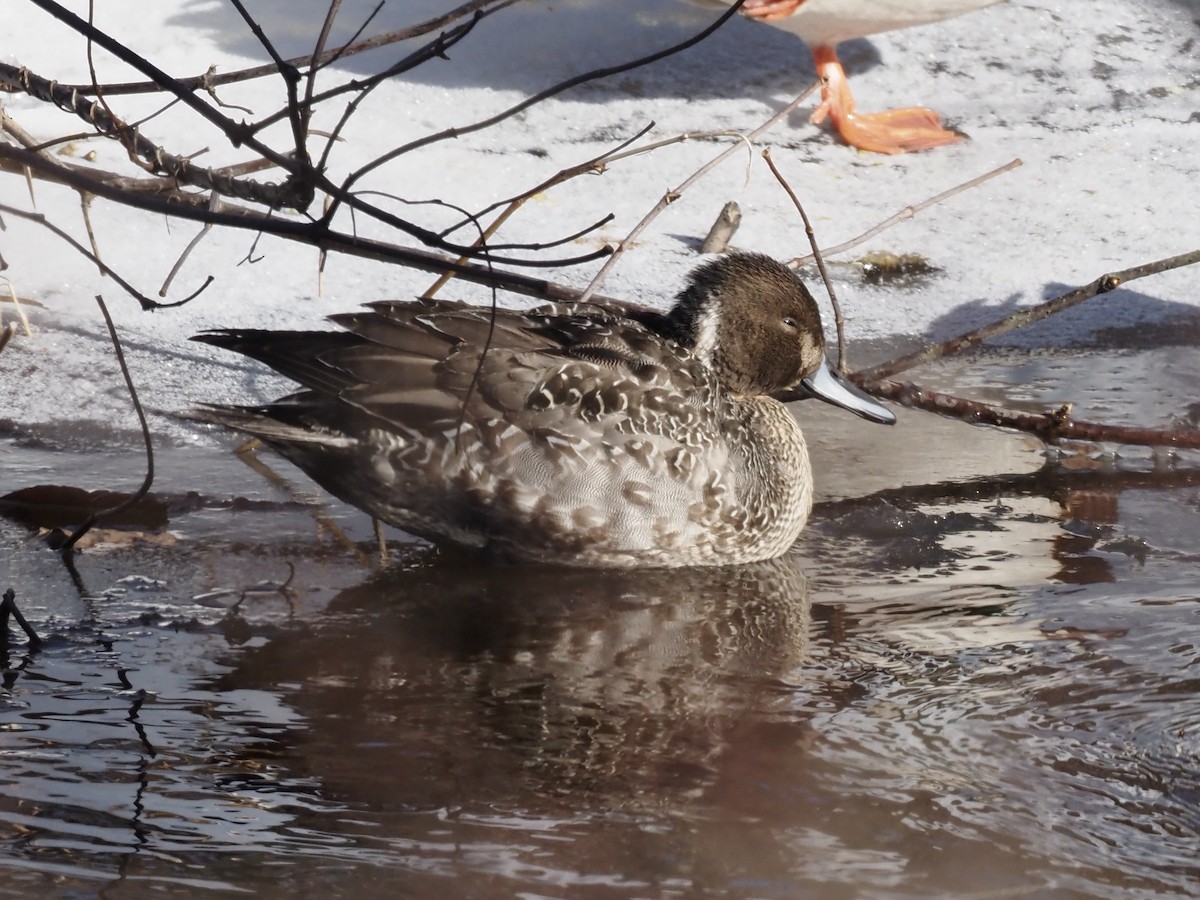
(832, 387)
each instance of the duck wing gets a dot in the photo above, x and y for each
(419, 367)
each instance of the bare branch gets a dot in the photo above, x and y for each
(673, 195)
(304, 178)
(211, 80)
(310, 78)
(1101, 285)
(436, 48)
(595, 164)
(315, 233)
(593, 75)
(291, 81)
(154, 158)
(1050, 427)
(236, 132)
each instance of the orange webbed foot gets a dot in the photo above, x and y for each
(893, 131)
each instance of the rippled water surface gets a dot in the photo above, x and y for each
(986, 687)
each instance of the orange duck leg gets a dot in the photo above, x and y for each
(893, 131)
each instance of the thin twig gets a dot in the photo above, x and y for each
(439, 47)
(534, 99)
(68, 546)
(264, 588)
(85, 205)
(187, 251)
(310, 78)
(304, 178)
(324, 60)
(907, 213)
(595, 164)
(247, 454)
(838, 320)
(40, 219)
(20, 310)
(599, 164)
(211, 80)
(673, 195)
(13, 128)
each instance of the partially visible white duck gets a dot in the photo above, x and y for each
(823, 24)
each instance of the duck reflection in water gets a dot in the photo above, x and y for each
(455, 683)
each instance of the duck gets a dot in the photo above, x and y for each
(823, 24)
(569, 434)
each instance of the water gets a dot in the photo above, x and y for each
(950, 688)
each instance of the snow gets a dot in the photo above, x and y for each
(1100, 100)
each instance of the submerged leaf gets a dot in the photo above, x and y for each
(63, 506)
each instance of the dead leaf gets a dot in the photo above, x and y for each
(62, 506)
